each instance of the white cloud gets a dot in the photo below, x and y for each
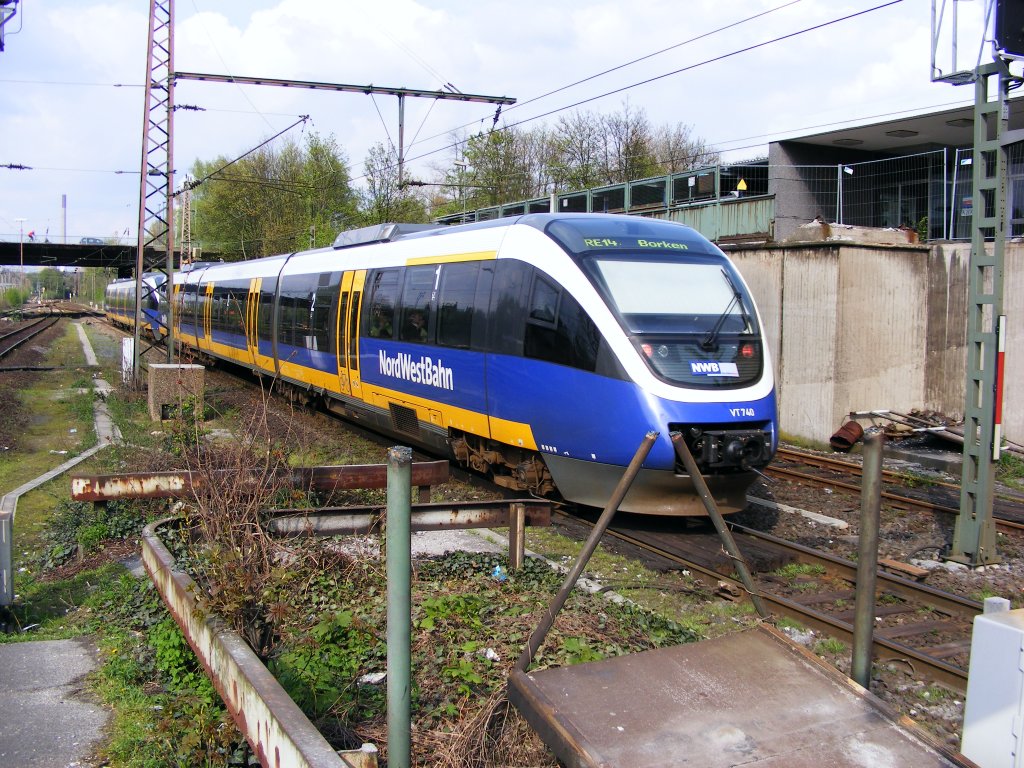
(869, 65)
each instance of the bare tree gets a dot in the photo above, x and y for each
(383, 200)
(628, 146)
(678, 149)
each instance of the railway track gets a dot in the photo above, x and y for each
(929, 496)
(26, 331)
(917, 625)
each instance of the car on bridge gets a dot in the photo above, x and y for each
(90, 241)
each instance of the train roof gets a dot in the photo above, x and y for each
(379, 233)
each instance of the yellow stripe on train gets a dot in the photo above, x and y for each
(455, 257)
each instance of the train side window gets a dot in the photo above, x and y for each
(234, 307)
(507, 312)
(217, 297)
(417, 298)
(544, 301)
(455, 303)
(381, 319)
(265, 314)
(325, 311)
(579, 336)
(297, 293)
(558, 330)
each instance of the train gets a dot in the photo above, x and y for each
(538, 350)
(119, 303)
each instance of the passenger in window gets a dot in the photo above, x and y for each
(416, 327)
(381, 325)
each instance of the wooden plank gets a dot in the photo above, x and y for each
(904, 569)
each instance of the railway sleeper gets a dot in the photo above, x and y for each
(509, 467)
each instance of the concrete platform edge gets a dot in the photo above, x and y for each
(275, 727)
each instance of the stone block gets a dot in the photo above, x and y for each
(171, 386)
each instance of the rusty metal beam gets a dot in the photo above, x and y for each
(425, 517)
(172, 485)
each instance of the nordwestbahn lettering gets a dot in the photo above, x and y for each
(422, 371)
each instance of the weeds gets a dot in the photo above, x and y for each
(796, 570)
(829, 646)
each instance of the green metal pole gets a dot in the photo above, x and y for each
(974, 535)
(399, 633)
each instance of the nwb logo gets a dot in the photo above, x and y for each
(710, 368)
(696, 367)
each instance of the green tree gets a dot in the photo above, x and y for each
(52, 283)
(273, 200)
(627, 140)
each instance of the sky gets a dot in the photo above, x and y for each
(72, 75)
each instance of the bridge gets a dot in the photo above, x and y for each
(107, 256)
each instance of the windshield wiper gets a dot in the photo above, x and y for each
(710, 339)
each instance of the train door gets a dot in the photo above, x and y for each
(341, 321)
(207, 316)
(252, 306)
(348, 332)
(176, 307)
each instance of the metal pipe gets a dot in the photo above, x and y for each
(588, 549)
(867, 557)
(516, 536)
(399, 631)
(683, 452)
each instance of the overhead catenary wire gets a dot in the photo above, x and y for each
(647, 81)
(620, 66)
(195, 183)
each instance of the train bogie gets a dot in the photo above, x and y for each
(539, 350)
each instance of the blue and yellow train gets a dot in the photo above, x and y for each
(119, 302)
(539, 349)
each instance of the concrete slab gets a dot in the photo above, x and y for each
(47, 722)
(750, 698)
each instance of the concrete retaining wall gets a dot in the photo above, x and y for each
(855, 327)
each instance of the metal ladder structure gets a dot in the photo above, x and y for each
(156, 185)
(974, 539)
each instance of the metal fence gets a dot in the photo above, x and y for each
(928, 192)
(909, 192)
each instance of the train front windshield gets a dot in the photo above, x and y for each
(675, 294)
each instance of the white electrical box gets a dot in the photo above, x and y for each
(993, 734)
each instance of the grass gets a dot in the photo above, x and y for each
(1010, 470)
(796, 570)
(677, 595)
(829, 646)
(60, 427)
